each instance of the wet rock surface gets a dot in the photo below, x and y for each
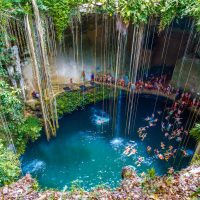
(179, 186)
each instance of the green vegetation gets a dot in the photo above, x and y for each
(71, 101)
(151, 173)
(137, 11)
(21, 128)
(9, 165)
(196, 194)
(195, 132)
(15, 126)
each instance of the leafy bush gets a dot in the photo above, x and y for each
(22, 129)
(31, 128)
(137, 11)
(151, 173)
(195, 132)
(71, 101)
(9, 165)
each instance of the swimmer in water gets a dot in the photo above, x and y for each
(166, 157)
(160, 156)
(100, 121)
(143, 128)
(162, 126)
(127, 150)
(139, 161)
(178, 139)
(171, 170)
(167, 117)
(169, 127)
(166, 134)
(156, 151)
(184, 153)
(151, 124)
(155, 120)
(148, 149)
(162, 145)
(143, 136)
(186, 132)
(147, 119)
(159, 112)
(171, 147)
(133, 151)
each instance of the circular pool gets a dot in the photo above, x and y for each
(90, 144)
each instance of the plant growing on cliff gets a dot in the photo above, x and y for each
(137, 11)
(9, 165)
(151, 173)
(12, 109)
(195, 132)
(71, 101)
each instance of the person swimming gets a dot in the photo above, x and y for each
(166, 134)
(139, 161)
(171, 170)
(159, 112)
(160, 156)
(151, 124)
(133, 152)
(148, 149)
(163, 126)
(143, 136)
(155, 120)
(162, 145)
(169, 127)
(156, 151)
(147, 119)
(127, 150)
(171, 147)
(184, 153)
(178, 139)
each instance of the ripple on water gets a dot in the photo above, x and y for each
(99, 117)
(34, 166)
(116, 142)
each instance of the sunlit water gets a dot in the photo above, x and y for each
(88, 151)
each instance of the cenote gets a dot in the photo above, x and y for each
(89, 145)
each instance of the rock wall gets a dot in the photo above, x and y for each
(168, 47)
(187, 74)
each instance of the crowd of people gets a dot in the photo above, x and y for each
(156, 83)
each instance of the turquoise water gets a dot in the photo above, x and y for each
(89, 146)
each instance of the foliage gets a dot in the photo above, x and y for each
(31, 128)
(195, 132)
(71, 101)
(196, 160)
(196, 194)
(9, 165)
(151, 173)
(137, 11)
(21, 128)
(133, 11)
(61, 10)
